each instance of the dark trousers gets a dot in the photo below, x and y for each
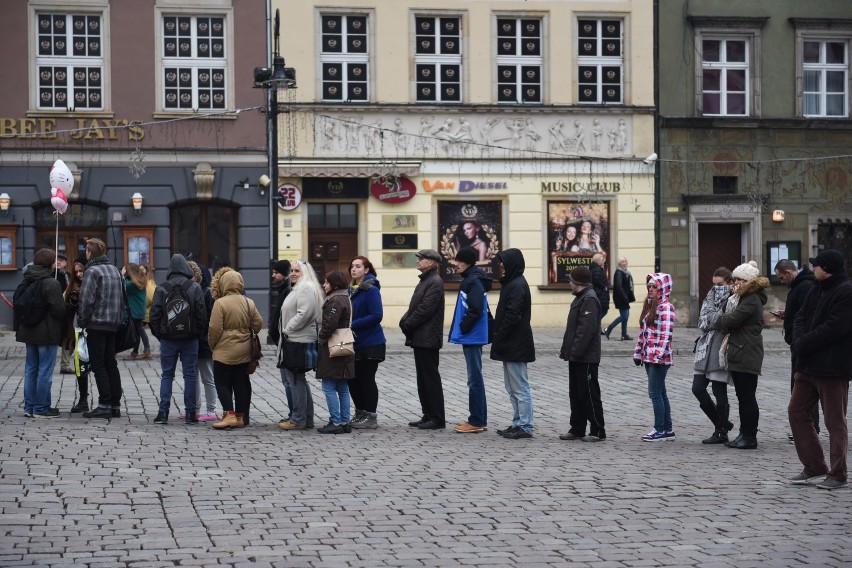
(584, 394)
(834, 395)
(429, 387)
(104, 367)
(746, 386)
(233, 387)
(363, 388)
(815, 411)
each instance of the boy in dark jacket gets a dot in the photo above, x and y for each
(512, 342)
(470, 330)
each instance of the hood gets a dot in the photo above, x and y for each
(35, 272)
(178, 266)
(755, 286)
(206, 277)
(369, 281)
(215, 285)
(231, 283)
(804, 274)
(664, 284)
(479, 273)
(513, 263)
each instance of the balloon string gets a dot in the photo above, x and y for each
(56, 264)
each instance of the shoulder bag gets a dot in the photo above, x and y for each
(342, 340)
(254, 343)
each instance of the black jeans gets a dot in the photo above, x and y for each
(363, 388)
(429, 387)
(104, 367)
(699, 389)
(815, 411)
(746, 386)
(584, 394)
(233, 387)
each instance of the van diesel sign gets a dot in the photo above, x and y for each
(463, 186)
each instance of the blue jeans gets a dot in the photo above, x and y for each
(337, 398)
(38, 377)
(287, 392)
(623, 316)
(518, 387)
(476, 386)
(187, 350)
(659, 398)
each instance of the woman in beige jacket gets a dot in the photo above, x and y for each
(229, 338)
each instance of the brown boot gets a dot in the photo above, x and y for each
(238, 421)
(146, 354)
(229, 420)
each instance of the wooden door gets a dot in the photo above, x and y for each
(719, 244)
(331, 250)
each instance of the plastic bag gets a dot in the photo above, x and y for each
(81, 352)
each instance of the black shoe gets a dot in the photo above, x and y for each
(347, 428)
(116, 413)
(626, 338)
(717, 437)
(331, 428)
(81, 406)
(49, 413)
(607, 332)
(162, 418)
(431, 425)
(743, 443)
(506, 430)
(417, 423)
(104, 413)
(192, 418)
(517, 434)
(570, 436)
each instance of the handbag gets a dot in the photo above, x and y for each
(723, 352)
(254, 344)
(298, 357)
(81, 352)
(342, 340)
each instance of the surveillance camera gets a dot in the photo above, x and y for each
(264, 180)
(651, 159)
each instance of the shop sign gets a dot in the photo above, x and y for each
(578, 187)
(288, 196)
(577, 231)
(392, 189)
(85, 129)
(463, 186)
(400, 241)
(336, 188)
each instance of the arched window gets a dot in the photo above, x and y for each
(208, 231)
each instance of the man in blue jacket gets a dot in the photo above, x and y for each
(470, 330)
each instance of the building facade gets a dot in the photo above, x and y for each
(151, 101)
(435, 124)
(755, 137)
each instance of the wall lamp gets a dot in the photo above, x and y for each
(5, 202)
(262, 183)
(137, 200)
(778, 215)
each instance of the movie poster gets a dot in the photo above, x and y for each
(576, 231)
(477, 224)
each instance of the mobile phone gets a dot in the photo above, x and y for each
(776, 313)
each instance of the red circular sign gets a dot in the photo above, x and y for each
(289, 196)
(391, 189)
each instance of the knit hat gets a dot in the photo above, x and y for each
(431, 254)
(747, 271)
(467, 255)
(829, 260)
(282, 267)
(581, 276)
(81, 260)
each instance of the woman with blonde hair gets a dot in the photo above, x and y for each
(297, 350)
(135, 283)
(150, 288)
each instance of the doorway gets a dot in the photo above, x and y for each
(332, 237)
(719, 244)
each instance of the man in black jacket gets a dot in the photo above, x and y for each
(513, 341)
(581, 347)
(423, 327)
(800, 283)
(822, 342)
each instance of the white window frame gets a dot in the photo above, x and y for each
(93, 8)
(345, 58)
(822, 31)
(601, 61)
(171, 9)
(714, 28)
(439, 60)
(519, 61)
(723, 67)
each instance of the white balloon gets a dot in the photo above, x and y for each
(61, 177)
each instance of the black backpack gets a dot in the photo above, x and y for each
(28, 303)
(179, 312)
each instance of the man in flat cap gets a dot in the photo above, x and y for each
(423, 327)
(822, 341)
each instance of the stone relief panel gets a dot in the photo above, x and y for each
(457, 135)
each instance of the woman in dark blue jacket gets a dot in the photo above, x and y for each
(369, 341)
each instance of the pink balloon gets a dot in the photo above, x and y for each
(61, 177)
(59, 200)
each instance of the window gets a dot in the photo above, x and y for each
(825, 65)
(208, 231)
(70, 61)
(437, 58)
(333, 215)
(344, 57)
(600, 61)
(519, 60)
(7, 246)
(724, 76)
(194, 64)
(138, 245)
(725, 185)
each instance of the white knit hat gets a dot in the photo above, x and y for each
(748, 271)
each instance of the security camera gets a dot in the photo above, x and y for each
(264, 180)
(651, 159)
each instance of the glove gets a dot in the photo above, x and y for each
(637, 362)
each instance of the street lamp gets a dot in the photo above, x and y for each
(273, 78)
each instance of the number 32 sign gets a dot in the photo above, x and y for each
(289, 196)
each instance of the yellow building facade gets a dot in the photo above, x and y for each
(494, 124)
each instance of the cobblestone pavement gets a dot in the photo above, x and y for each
(132, 493)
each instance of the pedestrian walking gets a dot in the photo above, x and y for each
(335, 372)
(178, 320)
(423, 327)
(581, 347)
(622, 296)
(822, 342)
(370, 342)
(512, 341)
(470, 330)
(654, 351)
(743, 354)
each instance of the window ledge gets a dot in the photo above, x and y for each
(227, 114)
(72, 114)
